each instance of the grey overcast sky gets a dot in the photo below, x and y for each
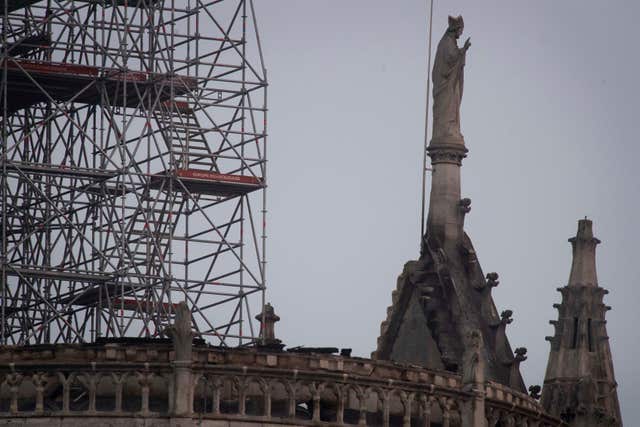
(550, 117)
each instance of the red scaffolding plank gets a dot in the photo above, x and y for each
(199, 181)
(217, 177)
(63, 82)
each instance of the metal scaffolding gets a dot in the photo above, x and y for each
(133, 169)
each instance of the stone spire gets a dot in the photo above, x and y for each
(583, 266)
(444, 296)
(579, 384)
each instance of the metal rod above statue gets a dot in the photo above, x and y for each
(447, 147)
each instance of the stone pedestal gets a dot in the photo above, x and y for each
(444, 222)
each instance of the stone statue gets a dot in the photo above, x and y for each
(448, 82)
(472, 362)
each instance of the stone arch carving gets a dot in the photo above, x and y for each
(256, 395)
(410, 407)
(356, 404)
(282, 398)
(25, 392)
(330, 402)
(305, 394)
(130, 393)
(396, 408)
(79, 391)
(446, 411)
(377, 405)
(424, 407)
(106, 385)
(202, 394)
(229, 392)
(51, 392)
(159, 393)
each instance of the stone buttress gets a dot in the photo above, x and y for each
(579, 384)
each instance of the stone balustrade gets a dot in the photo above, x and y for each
(112, 384)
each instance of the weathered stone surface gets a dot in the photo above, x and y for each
(444, 294)
(336, 390)
(448, 82)
(182, 336)
(268, 319)
(579, 384)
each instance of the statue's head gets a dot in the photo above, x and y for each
(456, 25)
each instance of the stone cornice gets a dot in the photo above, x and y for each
(444, 152)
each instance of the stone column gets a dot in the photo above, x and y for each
(445, 219)
(473, 410)
(182, 336)
(473, 379)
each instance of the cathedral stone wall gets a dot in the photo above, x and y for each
(135, 385)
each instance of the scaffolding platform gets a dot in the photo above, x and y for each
(28, 45)
(108, 291)
(61, 170)
(71, 276)
(141, 306)
(14, 5)
(198, 181)
(31, 82)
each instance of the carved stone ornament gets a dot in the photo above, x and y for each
(181, 333)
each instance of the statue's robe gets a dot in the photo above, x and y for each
(448, 81)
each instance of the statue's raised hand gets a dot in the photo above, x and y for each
(467, 43)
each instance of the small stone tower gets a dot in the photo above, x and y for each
(579, 384)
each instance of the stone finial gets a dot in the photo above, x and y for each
(181, 333)
(583, 266)
(268, 319)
